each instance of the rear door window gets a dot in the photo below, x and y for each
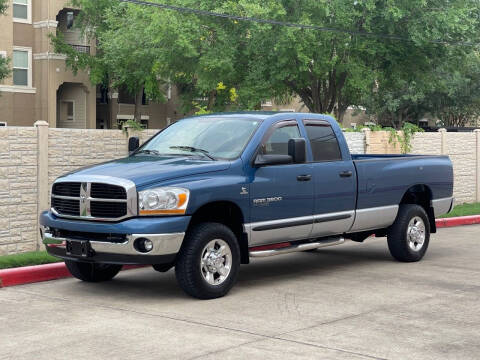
(323, 141)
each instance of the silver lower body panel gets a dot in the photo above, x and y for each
(374, 218)
(442, 206)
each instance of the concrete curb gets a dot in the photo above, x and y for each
(38, 273)
(457, 221)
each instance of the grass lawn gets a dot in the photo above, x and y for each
(26, 259)
(464, 210)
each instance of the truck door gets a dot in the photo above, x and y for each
(281, 196)
(334, 179)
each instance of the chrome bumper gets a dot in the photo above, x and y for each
(163, 244)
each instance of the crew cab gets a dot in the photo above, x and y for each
(211, 192)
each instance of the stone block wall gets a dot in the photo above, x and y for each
(32, 158)
(18, 189)
(463, 148)
(427, 143)
(70, 149)
(356, 142)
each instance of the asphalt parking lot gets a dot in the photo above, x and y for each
(346, 302)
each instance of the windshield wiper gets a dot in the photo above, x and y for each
(194, 149)
(147, 151)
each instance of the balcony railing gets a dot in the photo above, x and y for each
(81, 48)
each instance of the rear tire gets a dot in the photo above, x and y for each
(409, 236)
(208, 262)
(92, 272)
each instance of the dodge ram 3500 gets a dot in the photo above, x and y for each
(209, 193)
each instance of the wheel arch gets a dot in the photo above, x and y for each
(229, 214)
(421, 194)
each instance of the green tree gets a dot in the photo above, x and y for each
(449, 91)
(126, 56)
(221, 63)
(456, 99)
(331, 70)
(418, 77)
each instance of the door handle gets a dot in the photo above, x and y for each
(347, 173)
(304, 177)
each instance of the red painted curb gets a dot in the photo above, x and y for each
(457, 221)
(38, 273)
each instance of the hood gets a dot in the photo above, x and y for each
(145, 169)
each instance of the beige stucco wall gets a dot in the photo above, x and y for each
(6, 38)
(72, 93)
(378, 142)
(22, 108)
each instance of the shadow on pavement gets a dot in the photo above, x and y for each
(148, 283)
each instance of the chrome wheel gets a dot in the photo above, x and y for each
(216, 262)
(416, 233)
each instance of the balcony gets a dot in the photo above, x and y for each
(71, 34)
(85, 49)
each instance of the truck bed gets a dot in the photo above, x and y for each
(383, 179)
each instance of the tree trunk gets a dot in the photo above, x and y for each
(138, 102)
(341, 113)
(212, 96)
(321, 96)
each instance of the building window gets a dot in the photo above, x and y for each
(69, 106)
(124, 96)
(22, 67)
(69, 20)
(22, 11)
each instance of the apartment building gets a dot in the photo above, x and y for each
(43, 88)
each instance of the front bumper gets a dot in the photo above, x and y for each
(113, 243)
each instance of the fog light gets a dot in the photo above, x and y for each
(143, 245)
(148, 245)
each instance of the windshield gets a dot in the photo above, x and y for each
(209, 137)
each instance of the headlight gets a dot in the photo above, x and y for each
(163, 201)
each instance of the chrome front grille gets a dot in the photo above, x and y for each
(102, 198)
(66, 206)
(107, 191)
(66, 189)
(108, 209)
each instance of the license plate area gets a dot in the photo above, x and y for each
(78, 248)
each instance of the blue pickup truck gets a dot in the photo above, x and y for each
(209, 193)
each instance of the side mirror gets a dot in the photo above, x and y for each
(133, 144)
(262, 160)
(297, 150)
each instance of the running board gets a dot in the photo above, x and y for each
(275, 249)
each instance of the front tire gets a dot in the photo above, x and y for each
(409, 236)
(92, 272)
(208, 262)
